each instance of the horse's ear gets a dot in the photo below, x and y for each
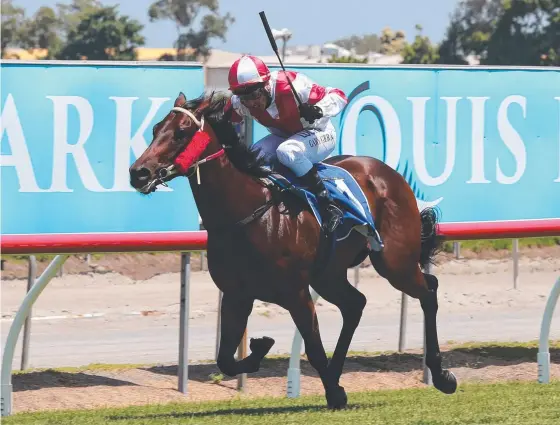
(181, 100)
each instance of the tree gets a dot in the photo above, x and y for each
(361, 44)
(421, 51)
(527, 33)
(49, 29)
(450, 49)
(504, 32)
(13, 19)
(345, 59)
(392, 43)
(184, 13)
(42, 32)
(103, 35)
(472, 23)
(70, 15)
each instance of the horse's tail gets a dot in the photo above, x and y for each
(431, 242)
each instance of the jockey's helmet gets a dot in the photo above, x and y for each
(247, 74)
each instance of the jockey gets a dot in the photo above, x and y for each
(300, 136)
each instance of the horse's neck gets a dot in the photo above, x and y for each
(224, 195)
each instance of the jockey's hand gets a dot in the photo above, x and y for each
(309, 112)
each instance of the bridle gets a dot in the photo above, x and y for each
(259, 212)
(185, 111)
(171, 169)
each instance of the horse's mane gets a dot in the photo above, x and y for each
(212, 107)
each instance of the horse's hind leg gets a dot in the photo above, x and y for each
(235, 314)
(422, 286)
(443, 379)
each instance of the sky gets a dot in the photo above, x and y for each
(310, 21)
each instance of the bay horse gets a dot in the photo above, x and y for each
(257, 250)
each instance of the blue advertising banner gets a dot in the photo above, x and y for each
(70, 132)
(483, 144)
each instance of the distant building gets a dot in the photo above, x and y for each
(311, 54)
(303, 54)
(22, 54)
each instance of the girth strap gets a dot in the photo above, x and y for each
(258, 213)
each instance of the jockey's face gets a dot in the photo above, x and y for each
(257, 99)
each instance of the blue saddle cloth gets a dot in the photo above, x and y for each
(343, 188)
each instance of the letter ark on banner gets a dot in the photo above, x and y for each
(70, 131)
(483, 144)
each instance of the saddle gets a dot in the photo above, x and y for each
(344, 190)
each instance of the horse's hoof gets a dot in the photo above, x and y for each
(446, 382)
(336, 398)
(261, 346)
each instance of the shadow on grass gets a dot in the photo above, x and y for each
(54, 379)
(473, 358)
(249, 411)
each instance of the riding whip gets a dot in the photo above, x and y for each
(275, 48)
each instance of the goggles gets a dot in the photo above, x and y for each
(251, 93)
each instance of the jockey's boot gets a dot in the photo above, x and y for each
(331, 215)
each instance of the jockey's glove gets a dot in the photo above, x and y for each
(309, 112)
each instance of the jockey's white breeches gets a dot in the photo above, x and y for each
(301, 150)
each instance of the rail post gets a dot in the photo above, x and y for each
(543, 356)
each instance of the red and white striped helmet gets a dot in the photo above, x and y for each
(247, 71)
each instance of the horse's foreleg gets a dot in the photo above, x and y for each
(443, 379)
(304, 315)
(235, 314)
(351, 303)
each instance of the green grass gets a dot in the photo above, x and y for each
(528, 346)
(514, 403)
(504, 404)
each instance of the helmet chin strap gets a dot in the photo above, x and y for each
(268, 94)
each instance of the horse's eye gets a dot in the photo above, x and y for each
(181, 134)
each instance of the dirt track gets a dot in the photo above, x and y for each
(475, 293)
(55, 390)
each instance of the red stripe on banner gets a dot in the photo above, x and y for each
(196, 240)
(500, 229)
(103, 242)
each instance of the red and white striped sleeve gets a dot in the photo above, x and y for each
(330, 100)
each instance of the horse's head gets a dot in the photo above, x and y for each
(182, 136)
(176, 134)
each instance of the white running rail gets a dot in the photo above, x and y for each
(21, 315)
(543, 357)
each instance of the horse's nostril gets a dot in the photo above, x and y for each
(140, 176)
(143, 174)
